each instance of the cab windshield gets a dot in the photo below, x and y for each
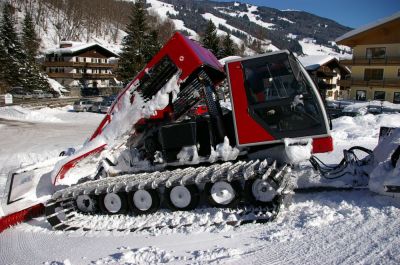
(280, 97)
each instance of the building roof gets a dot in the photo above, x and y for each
(351, 37)
(78, 48)
(313, 62)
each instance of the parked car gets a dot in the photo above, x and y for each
(96, 107)
(48, 94)
(83, 105)
(105, 106)
(38, 94)
(18, 92)
(111, 98)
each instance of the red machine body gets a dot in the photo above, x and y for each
(188, 59)
(186, 54)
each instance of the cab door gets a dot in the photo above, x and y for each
(274, 98)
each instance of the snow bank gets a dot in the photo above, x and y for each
(154, 255)
(57, 87)
(47, 115)
(362, 107)
(361, 128)
(32, 115)
(145, 255)
(65, 262)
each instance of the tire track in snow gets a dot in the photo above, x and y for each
(342, 241)
(24, 244)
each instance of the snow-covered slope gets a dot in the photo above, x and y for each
(250, 13)
(111, 35)
(317, 228)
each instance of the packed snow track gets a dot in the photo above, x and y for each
(318, 228)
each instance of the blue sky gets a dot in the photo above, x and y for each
(351, 13)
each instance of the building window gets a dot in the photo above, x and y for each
(361, 95)
(379, 95)
(373, 74)
(396, 97)
(376, 53)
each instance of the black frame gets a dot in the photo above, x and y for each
(379, 91)
(365, 95)
(372, 49)
(373, 74)
(10, 188)
(396, 94)
(283, 104)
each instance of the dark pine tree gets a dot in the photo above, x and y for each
(12, 50)
(228, 47)
(30, 40)
(153, 44)
(19, 70)
(140, 44)
(3, 68)
(210, 39)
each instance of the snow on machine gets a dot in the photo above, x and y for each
(150, 153)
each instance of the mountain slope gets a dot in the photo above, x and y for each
(254, 29)
(282, 29)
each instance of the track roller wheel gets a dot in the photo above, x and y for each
(184, 198)
(113, 203)
(144, 201)
(259, 192)
(85, 203)
(223, 194)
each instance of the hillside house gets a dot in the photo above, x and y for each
(326, 72)
(375, 65)
(77, 65)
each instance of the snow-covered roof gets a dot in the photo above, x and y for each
(229, 58)
(368, 27)
(79, 47)
(312, 62)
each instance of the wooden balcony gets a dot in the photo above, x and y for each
(79, 76)
(394, 83)
(360, 61)
(79, 65)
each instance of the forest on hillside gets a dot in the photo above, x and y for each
(84, 19)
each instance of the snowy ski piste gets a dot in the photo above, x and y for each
(329, 227)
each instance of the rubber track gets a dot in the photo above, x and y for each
(62, 214)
